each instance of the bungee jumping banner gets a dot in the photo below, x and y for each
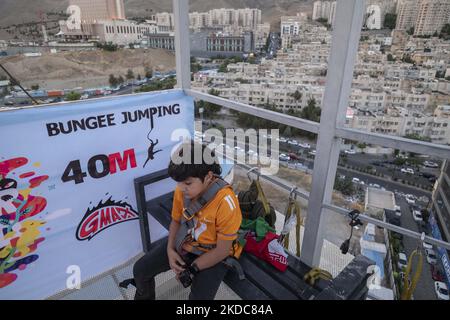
(67, 198)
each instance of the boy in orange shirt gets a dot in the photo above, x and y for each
(215, 227)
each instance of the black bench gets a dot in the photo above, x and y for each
(263, 281)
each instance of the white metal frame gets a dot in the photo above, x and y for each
(345, 41)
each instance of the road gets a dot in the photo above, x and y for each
(425, 286)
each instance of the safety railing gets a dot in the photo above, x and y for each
(330, 130)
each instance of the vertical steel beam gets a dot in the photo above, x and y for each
(182, 43)
(345, 40)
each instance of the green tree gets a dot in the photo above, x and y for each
(72, 96)
(148, 72)
(445, 31)
(345, 186)
(389, 21)
(139, 77)
(297, 95)
(407, 59)
(212, 109)
(113, 81)
(120, 80)
(361, 145)
(390, 57)
(195, 66)
(35, 87)
(410, 31)
(311, 112)
(415, 136)
(130, 74)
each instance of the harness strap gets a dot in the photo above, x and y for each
(191, 208)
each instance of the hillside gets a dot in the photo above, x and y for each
(85, 69)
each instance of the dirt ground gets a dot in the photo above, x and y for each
(86, 69)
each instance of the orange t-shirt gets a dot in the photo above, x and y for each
(219, 219)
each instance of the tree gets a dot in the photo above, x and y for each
(407, 59)
(35, 87)
(139, 77)
(389, 21)
(130, 74)
(311, 112)
(113, 81)
(148, 72)
(72, 96)
(390, 57)
(195, 66)
(415, 136)
(410, 31)
(210, 108)
(344, 185)
(297, 95)
(361, 145)
(445, 31)
(120, 80)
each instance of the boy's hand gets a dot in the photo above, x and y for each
(175, 261)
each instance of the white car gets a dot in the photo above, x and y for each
(398, 211)
(417, 216)
(284, 157)
(305, 145)
(410, 199)
(293, 142)
(402, 261)
(407, 170)
(431, 256)
(441, 290)
(430, 164)
(351, 151)
(313, 152)
(427, 246)
(374, 185)
(356, 180)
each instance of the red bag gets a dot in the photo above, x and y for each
(268, 249)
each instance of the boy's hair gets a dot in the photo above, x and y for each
(189, 165)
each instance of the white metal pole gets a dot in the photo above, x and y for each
(345, 40)
(182, 43)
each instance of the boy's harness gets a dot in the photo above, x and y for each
(187, 225)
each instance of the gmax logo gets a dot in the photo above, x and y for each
(103, 216)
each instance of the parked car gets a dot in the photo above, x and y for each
(402, 260)
(305, 145)
(313, 152)
(436, 274)
(427, 246)
(407, 170)
(417, 216)
(441, 290)
(431, 256)
(293, 156)
(350, 151)
(356, 180)
(398, 211)
(430, 164)
(284, 157)
(410, 199)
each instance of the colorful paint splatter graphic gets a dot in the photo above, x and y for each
(20, 234)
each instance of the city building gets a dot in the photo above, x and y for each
(432, 15)
(440, 216)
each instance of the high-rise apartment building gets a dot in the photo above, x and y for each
(406, 14)
(97, 10)
(425, 16)
(432, 15)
